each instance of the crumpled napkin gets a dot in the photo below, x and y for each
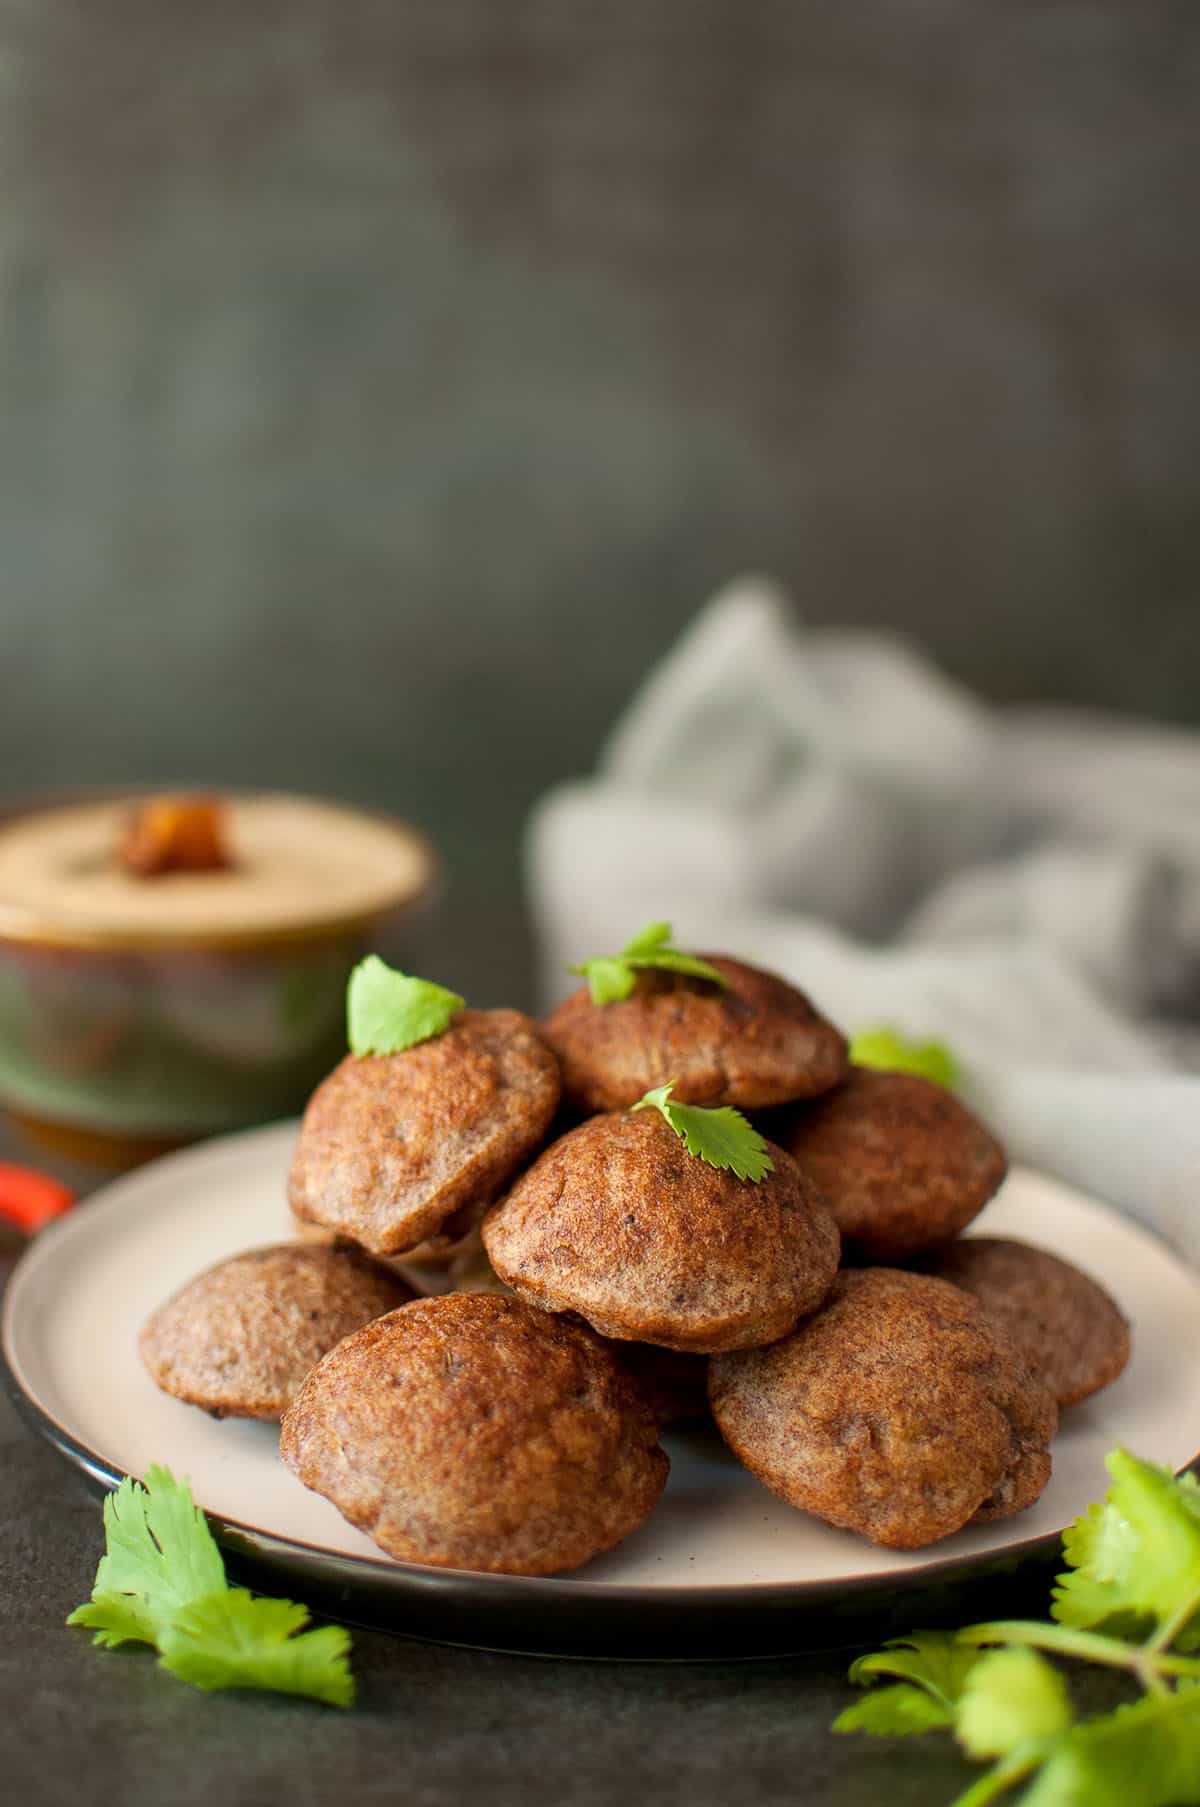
(1023, 883)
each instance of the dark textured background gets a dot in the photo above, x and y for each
(383, 384)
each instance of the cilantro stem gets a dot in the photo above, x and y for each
(1170, 1628)
(1146, 1661)
(1001, 1777)
(1089, 1646)
(1165, 1664)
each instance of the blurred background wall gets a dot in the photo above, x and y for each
(383, 385)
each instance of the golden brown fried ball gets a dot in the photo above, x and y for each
(902, 1164)
(240, 1338)
(753, 1042)
(1070, 1332)
(898, 1410)
(473, 1432)
(619, 1223)
(396, 1149)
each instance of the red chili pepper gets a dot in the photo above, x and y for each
(30, 1199)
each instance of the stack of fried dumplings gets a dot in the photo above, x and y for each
(506, 1280)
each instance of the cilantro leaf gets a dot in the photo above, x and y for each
(609, 980)
(116, 1619)
(933, 1670)
(160, 1557)
(650, 940)
(612, 977)
(895, 1712)
(892, 1052)
(1146, 1754)
(234, 1639)
(722, 1137)
(671, 960)
(161, 1581)
(1136, 1555)
(1011, 1698)
(388, 1011)
(933, 1660)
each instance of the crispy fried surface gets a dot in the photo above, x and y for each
(240, 1338)
(618, 1222)
(393, 1147)
(1070, 1332)
(756, 1042)
(903, 1165)
(473, 1432)
(897, 1410)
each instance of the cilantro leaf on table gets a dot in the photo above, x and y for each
(1135, 1556)
(933, 1669)
(722, 1137)
(612, 977)
(891, 1052)
(1011, 1698)
(160, 1556)
(1133, 1574)
(894, 1712)
(236, 1639)
(1146, 1754)
(161, 1581)
(388, 1011)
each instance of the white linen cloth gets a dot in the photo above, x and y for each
(1022, 883)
